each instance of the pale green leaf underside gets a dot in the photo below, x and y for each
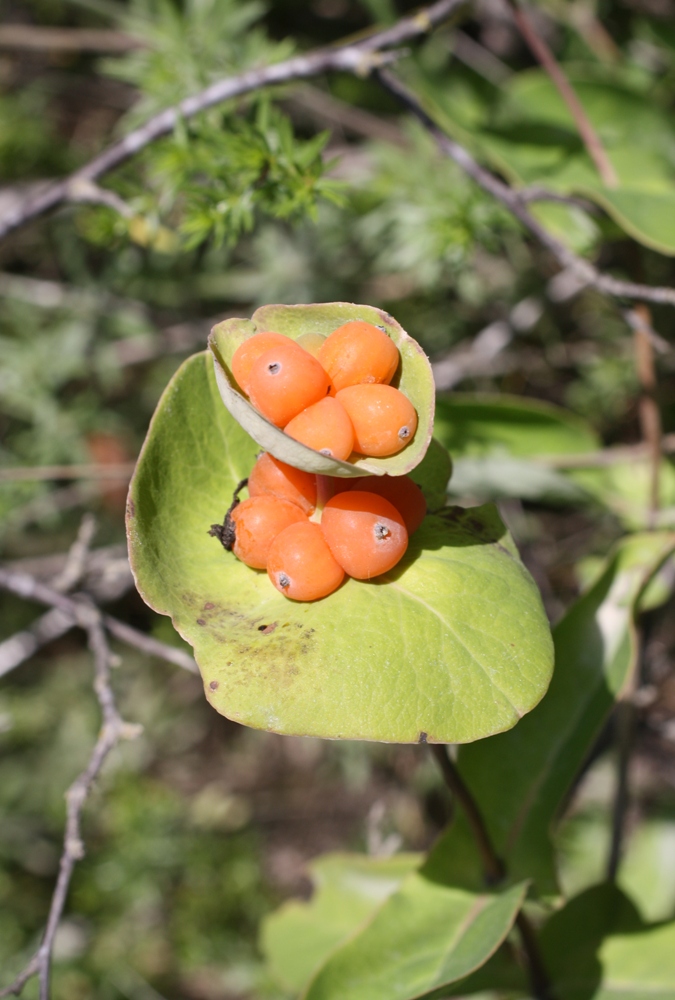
(414, 378)
(298, 937)
(451, 646)
(425, 936)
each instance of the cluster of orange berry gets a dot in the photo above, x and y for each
(331, 394)
(363, 531)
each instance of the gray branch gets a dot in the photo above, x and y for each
(587, 274)
(113, 730)
(26, 586)
(359, 57)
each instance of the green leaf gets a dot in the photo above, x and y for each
(532, 139)
(414, 378)
(625, 489)
(478, 424)
(451, 646)
(521, 778)
(427, 935)
(597, 948)
(299, 936)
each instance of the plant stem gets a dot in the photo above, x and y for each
(650, 419)
(548, 61)
(493, 866)
(494, 869)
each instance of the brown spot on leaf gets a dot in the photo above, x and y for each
(200, 621)
(213, 685)
(209, 606)
(131, 507)
(268, 629)
(422, 738)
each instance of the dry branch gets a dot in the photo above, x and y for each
(587, 274)
(113, 729)
(359, 57)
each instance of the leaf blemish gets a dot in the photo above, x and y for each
(200, 621)
(213, 685)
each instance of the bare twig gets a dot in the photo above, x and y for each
(543, 54)
(22, 645)
(41, 39)
(582, 269)
(493, 868)
(45, 472)
(24, 585)
(113, 730)
(360, 57)
(536, 193)
(72, 572)
(650, 419)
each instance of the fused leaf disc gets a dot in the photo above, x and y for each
(414, 378)
(450, 646)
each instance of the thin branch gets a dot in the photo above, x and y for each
(76, 560)
(543, 54)
(123, 471)
(536, 193)
(582, 269)
(360, 58)
(41, 39)
(24, 585)
(113, 730)
(650, 417)
(493, 868)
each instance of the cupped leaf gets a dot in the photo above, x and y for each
(300, 935)
(520, 779)
(426, 936)
(414, 378)
(450, 646)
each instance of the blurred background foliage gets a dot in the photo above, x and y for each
(317, 192)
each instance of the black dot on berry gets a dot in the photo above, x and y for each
(404, 432)
(381, 531)
(326, 451)
(274, 368)
(284, 581)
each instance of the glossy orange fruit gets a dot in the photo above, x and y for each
(405, 495)
(358, 352)
(365, 533)
(257, 522)
(284, 381)
(248, 353)
(301, 565)
(384, 420)
(271, 477)
(325, 427)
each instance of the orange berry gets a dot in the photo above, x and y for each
(271, 477)
(301, 565)
(325, 427)
(248, 353)
(311, 342)
(284, 381)
(257, 522)
(358, 352)
(405, 495)
(365, 533)
(384, 420)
